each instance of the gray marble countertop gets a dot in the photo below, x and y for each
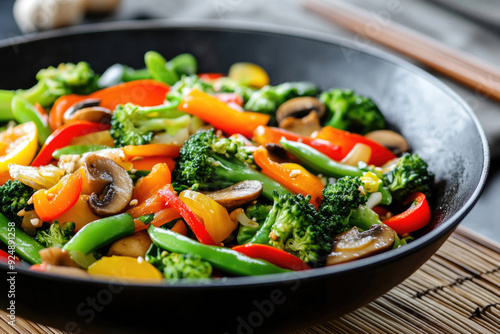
(451, 27)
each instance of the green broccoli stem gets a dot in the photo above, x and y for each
(38, 93)
(5, 105)
(165, 124)
(235, 172)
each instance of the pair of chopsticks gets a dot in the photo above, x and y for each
(481, 76)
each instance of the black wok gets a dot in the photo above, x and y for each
(436, 122)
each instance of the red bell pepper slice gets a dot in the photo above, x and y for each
(62, 137)
(193, 222)
(210, 76)
(414, 218)
(267, 134)
(53, 202)
(220, 115)
(144, 93)
(347, 140)
(5, 257)
(273, 255)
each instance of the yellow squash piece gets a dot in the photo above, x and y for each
(18, 145)
(249, 74)
(125, 267)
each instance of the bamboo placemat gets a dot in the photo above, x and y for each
(456, 291)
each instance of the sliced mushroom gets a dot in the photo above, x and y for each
(57, 257)
(91, 114)
(303, 126)
(237, 194)
(299, 107)
(134, 245)
(390, 139)
(87, 103)
(353, 245)
(110, 184)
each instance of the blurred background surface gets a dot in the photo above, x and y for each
(473, 27)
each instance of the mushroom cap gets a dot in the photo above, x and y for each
(352, 244)
(237, 194)
(299, 107)
(110, 184)
(390, 139)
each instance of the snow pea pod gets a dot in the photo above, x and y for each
(26, 247)
(100, 233)
(317, 162)
(222, 258)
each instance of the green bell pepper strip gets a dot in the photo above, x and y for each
(317, 162)
(222, 258)
(77, 149)
(100, 233)
(5, 105)
(26, 247)
(24, 112)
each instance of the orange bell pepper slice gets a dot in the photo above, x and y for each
(291, 175)
(53, 202)
(150, 184)
(151, 150)
(347, 140)
(144, 93)
(220, 115)
(150, 162)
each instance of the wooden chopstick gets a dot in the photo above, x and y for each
(478, 74)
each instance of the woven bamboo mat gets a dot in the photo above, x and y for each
(456, 291)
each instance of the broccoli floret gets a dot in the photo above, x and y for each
(14, 197)
(267, 99)
(258, 212)
(184, 86)
(344, 205)
(409, 174)
(201, 166)
(57, 235)
(135, 125)
(352, 112)
(177, 266)
(64, 79)
(294, 225)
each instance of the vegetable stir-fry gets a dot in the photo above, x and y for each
(164, 173)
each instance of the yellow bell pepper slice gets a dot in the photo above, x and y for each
(249, 74)
(126, 267)
(214, 216)
(18, 145)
